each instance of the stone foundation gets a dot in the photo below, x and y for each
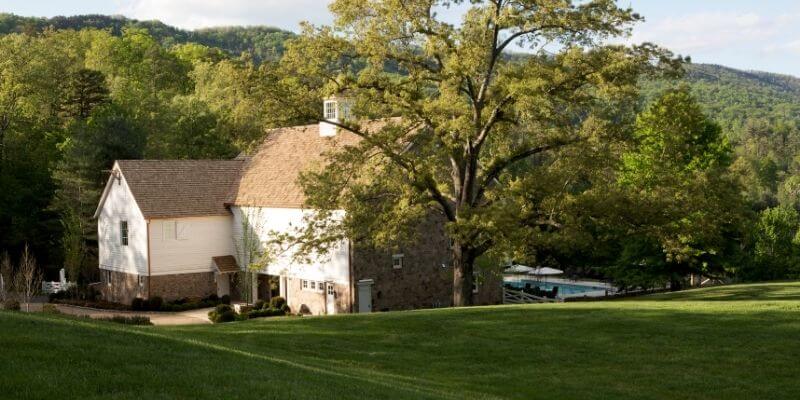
(173, 287)
(122, 287)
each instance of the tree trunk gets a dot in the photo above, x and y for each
(462, 276)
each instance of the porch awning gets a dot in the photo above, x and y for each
(226, 264)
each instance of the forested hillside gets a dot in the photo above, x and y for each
(78, 92)
(260, 42)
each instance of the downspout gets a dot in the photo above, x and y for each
(352, 278)
(148, 258)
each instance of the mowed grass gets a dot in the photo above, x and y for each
(720, 343)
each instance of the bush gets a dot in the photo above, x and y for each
(11, 305)
(259, 305)
(226, 299)
(222, 313)
(155, 303)
(128, 320)
(138, 304)
(277, 302)
(267, 312)
(50, 309)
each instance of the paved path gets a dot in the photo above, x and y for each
(191, 317)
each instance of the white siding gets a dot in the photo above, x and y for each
(121, 206)
(186, 245)
(331, 267)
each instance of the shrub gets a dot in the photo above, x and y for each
(277, 302)
(11, 305)
(128, 320)
(213, 298)
(155, 303)
(138, 304)
(266, 312)
(50, 309)
(259, 305)
(222, 313)
(226, 299)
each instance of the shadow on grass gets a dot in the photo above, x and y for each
(756, 291)
(589, 351)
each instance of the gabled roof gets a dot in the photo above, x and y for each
(269, 178)
(179, 188)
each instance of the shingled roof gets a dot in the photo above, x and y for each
(270, 177)
(181, 188)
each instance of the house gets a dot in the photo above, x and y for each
(179, 229)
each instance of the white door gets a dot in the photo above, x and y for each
(365, 297)
(330, 300)
(223, 285)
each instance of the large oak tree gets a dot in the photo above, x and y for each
(474, 118)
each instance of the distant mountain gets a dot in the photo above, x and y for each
(261, 42)
(729, 95)
(733, 96)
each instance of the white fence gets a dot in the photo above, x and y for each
(53, 287)
(519, 297)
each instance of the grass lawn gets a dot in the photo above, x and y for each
(720, 343)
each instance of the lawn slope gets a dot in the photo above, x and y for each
(730, 342)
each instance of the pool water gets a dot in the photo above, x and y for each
(564, 289)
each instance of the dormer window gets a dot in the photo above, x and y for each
(334, 110)
(330, 109)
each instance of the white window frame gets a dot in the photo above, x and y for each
(475, 276)
(142, 280)
(397, 261)
(329, 287)
(124, 233)
(304, 284)
(168, 230)
(330, 111)
(108, 277)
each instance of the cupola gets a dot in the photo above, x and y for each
(334, 109)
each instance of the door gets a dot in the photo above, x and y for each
(330, 298)
(365, 297)
(223, 284)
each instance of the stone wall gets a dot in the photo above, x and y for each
(173, 287)
(122, 287)
(315, 302)
(425, 279)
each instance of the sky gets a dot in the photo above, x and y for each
(746, 34)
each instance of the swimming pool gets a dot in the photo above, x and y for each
(564, 289)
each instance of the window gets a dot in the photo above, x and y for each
(142, 280)
(330, 288)
(330, 109)
(181, 230)
(107, 277)
(123, 232)
(313, 286)
(168, 230)
(475, 277)
(397, 261)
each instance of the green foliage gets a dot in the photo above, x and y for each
(128, 319)
(11, 305)
(222, 313)
(277, 302)
(475, 126)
